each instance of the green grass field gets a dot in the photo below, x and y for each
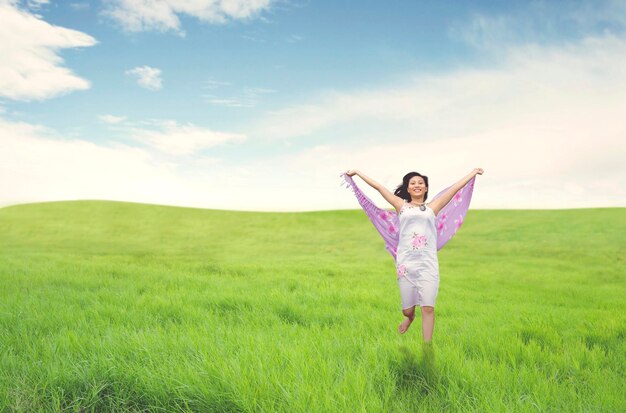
(108, 306)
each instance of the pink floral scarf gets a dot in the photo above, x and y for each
(447, 222)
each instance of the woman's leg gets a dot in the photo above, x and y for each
(428, 322)
(409, 313)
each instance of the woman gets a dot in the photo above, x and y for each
(416, 261)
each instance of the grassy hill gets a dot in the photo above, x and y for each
(128, 307)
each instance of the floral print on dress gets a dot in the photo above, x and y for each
(401, 270)
(418, 241)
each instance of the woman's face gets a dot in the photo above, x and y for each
(417, 187)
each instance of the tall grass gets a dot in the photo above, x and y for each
(110, 306)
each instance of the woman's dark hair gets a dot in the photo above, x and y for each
(403, 190)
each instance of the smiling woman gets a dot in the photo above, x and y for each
(414, 237)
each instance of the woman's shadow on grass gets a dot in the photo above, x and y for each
(416, 374)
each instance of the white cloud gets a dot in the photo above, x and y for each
(246, 99)
(541, 22)
(487, 32)
(256, 91)
(175, 139)
(163, 15)
(589, 14)
(547, 125)
(79, 6)
(30, 67)
(228, 102)
(294, 38)
(255, 36)
(212, 84)
(530, 81)
(112, 119)
(37, 165)
(170, 138)
(147, 77)
(563, 171)
(36, 4)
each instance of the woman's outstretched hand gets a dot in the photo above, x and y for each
(478, 171)
(351, 172)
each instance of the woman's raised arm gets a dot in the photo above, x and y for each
(437, 204)
(394, 200)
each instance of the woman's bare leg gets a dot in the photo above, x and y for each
(409, 313)
(428, 322)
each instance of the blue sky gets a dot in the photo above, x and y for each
(292, 51)
(260, 104)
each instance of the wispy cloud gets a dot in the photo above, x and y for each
(228, 102)
(147, 77)
(528, 80)
(36, 165)
(546, 125)
(486, 32)
(30, 67)
(258, 91)
(212, 84)
(176, 139)
(112, 119)
(36, 4)
(253, 37)
(294, 38)
(545, 122)
(609, 14)
(246, 98)
(542, 23)
(164, 15)
(169, 137)
(79, 6)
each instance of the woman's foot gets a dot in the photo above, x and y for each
(404, 325)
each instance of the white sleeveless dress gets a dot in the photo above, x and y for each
(416, 262)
